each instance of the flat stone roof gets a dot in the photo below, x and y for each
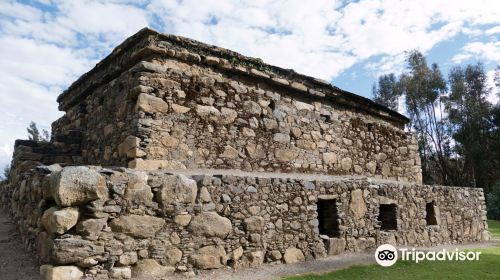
(147, 44)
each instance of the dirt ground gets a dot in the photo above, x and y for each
(16, 263)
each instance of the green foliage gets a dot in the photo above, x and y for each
(493, 204)
(424, 88)
(471, 122)
(486, 268)
(388, 91)
(35, 135)
(457, 129)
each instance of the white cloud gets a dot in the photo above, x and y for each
(43, 51)
(479, 51)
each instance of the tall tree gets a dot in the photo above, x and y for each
(34, 133)
(424, 88)
(472, 123)
(388, 91)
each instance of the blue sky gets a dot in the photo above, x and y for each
(47, 44)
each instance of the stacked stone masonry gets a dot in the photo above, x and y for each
(130, 222)
(174, 156)
(173, 108)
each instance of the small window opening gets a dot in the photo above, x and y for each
(430, 216)
(328, 218)
(388, 217)
(370, 127)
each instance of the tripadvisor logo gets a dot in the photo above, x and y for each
(387, 255)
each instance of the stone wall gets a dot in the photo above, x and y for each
(117, 222)
(171, 105)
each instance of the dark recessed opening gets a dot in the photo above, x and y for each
(388, 217)
(430, 216)
(328, 217)
(370, 127)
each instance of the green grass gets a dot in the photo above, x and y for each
(494, 227)
(488, 267)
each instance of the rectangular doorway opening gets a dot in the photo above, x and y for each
(328, 217)
(388, 217)
(430, 216)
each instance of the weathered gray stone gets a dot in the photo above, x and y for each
(150, 269)
(72, 250)
(120, 273)
(137, 226)
(254, 224)
(56, 220)
(77, 185)
(69, 272)
(210, 224)
(357, 204)
(137, 191)
(209, 257)
(173, 256)
(177, 189)
(90, 227)
(182, 219)
(151, 104)
(293, 255)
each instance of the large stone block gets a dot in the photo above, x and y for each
(293, 255)
(210, 224)
(150, 269)
(77, 185)
(56, 220)
(137, 226)
(210, 257)
(357, 204)
(177, 189)
(138, 191)
(151, 104)
(72, 250)
(69, 272)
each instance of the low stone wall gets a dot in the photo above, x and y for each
(97, 222)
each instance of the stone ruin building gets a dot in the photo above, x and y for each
(175, 156)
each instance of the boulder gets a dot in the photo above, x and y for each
(179, 109)
(128, 258)
(293, 255)
(177, 189)
(137, 191)
(128, 146)
(58, 221)
(90, 227)
(151, 104)
(286, 155)
(68, 272)
(182, 219)
(150, 269)
(72, 250)
(209, 257)
(346, 164)
(173, 256)
(254, 224)
(77, 185)
(357, 204)
(120, 273)
(137, 226)
(330, 158)
(210, 224)
(252, 108)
